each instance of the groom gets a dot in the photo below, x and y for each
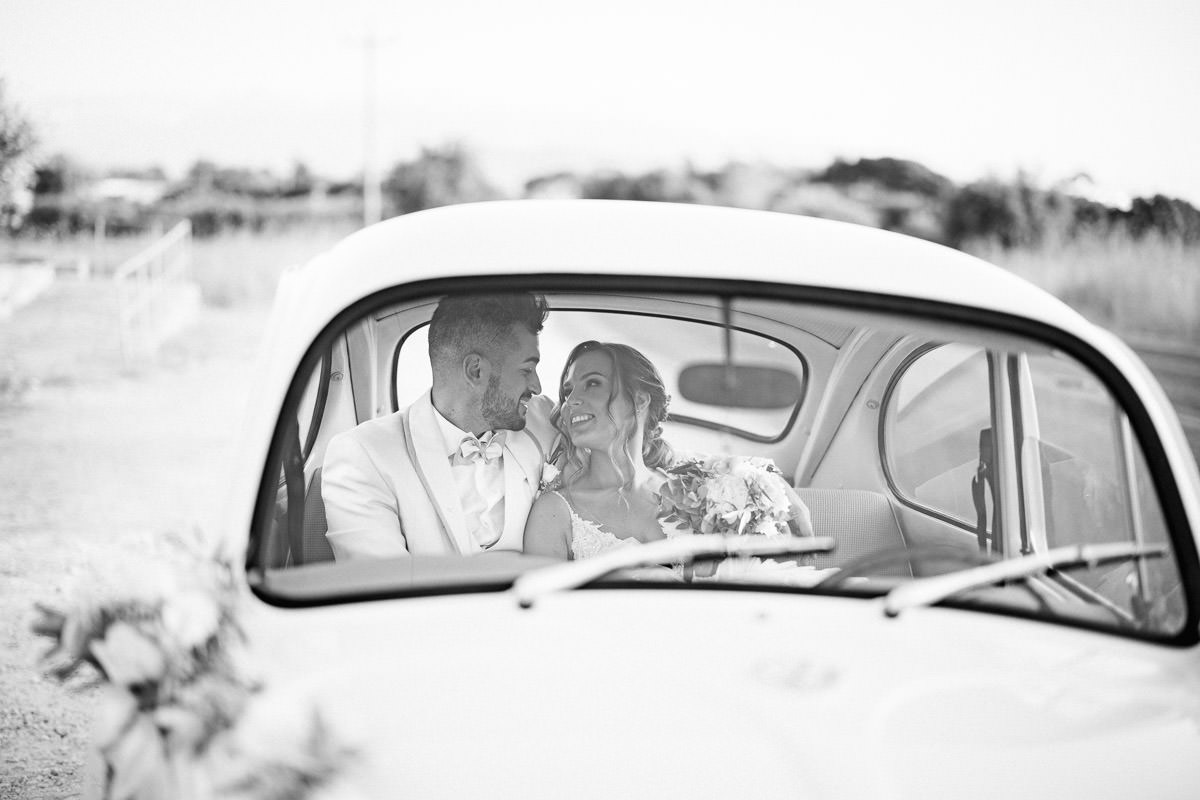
(457, 471)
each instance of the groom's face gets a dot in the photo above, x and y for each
(512, 382)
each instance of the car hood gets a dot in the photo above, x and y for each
(621, 693)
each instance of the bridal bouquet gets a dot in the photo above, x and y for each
(160, 636)
(732, 494)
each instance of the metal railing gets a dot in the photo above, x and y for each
(142, 283)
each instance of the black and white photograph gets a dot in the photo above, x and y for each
(653, 399)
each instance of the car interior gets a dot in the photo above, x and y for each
(920, 445)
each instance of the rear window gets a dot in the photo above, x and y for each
(673, 345)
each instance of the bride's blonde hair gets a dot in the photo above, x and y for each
(632, 374)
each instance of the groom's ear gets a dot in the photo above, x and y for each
(476, 369)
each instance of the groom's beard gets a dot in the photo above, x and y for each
(502, 412)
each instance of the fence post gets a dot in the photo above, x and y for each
(142, 283)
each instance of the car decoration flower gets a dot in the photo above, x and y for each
(163, 638)
(731, 495)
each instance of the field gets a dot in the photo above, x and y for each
(1147, 291)
(101, 459)
(1147, 288)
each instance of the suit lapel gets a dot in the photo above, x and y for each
(429, 457)
(522, 472)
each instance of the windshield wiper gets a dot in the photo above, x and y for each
(677, 550)
(927, 591)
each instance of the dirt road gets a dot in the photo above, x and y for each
(95, 461)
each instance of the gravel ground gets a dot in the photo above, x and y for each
(96, 460)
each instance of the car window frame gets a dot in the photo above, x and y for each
(996, 531)
(1165, 487)
(1031, 479)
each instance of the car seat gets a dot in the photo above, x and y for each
(861, 523)
(313, 544)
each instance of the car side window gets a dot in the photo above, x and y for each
(1096, 488)
(935, 411)
(1082, 467)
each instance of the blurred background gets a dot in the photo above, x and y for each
(177, 157)
(1053, 138)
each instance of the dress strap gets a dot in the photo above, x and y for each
(570, 508)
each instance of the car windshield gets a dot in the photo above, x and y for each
(447, 443)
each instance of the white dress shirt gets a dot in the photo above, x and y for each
(480, 486)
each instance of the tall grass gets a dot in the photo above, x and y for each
(239, 269)
(1146, 286)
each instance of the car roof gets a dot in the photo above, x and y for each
(658, 239)
(675, 241)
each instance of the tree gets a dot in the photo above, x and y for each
(301, 181)
(58, 175)
(437, 177)
(986, 210)
(17, 142)
(893, 173)
(1167, 216)
(669, 186)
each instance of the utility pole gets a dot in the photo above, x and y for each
(372, 192)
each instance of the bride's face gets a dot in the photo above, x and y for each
(590, 414)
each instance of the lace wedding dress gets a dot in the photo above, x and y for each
(588, 539)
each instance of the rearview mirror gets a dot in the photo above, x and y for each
(739, 386)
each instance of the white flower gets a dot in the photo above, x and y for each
(114, 709)
(182, 728)
(137, 762)
(728, 488)
(286, 744)
(549, 473)
(191, 618)
(734, 494)
(775, 488)
(767, 526)
(128, 657)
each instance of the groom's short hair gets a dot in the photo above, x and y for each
(481, 323)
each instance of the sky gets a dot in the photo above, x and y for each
(972, 90)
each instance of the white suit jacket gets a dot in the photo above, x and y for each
(389, 491)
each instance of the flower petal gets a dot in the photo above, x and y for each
(127, 657)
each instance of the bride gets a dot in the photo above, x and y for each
(613, 403)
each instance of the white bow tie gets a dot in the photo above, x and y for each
(487, 448)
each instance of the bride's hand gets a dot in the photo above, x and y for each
(537, 421)
(801, 521)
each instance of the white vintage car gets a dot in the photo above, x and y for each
(1001, 598)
